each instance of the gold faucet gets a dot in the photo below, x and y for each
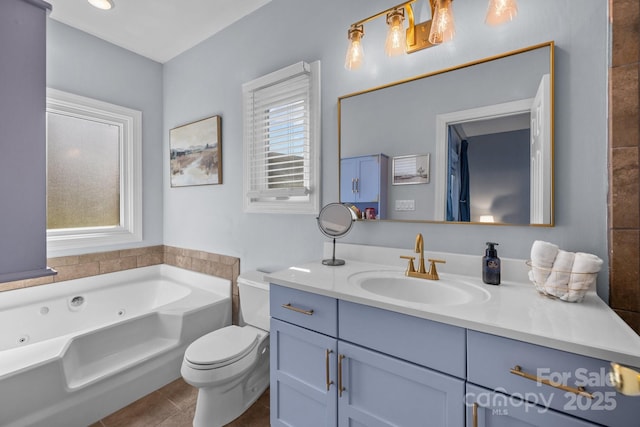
(432, 274)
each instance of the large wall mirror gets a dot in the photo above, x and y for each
(469, 144)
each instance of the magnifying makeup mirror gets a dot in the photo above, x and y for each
(335, 220)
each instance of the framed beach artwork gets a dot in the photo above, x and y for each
(196, 153)
(413, 169)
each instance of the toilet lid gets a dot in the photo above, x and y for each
(222, 346)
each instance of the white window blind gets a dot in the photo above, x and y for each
(281, 134)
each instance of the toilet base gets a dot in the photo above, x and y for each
(218, 406)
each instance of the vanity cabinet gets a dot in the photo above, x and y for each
(323, 379)
(303, 377)
(486, 408)
(339, 363)
(363, 182)
(557, 382)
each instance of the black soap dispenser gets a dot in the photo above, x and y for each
(491, 265)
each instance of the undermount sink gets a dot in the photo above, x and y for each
(395, 285)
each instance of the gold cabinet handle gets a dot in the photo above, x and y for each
(297, 310)
(475, 414)
(326, 361)
(340, 387)
(517, 370)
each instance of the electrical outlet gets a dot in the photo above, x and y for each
(405, 205)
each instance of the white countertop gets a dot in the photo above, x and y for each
(514, 310)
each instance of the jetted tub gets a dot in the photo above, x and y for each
(75, 351)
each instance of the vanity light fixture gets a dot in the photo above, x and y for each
(501, 11)
(353, 61)
(396, 36)
(443, 27)
(102, 4)
(418, 36)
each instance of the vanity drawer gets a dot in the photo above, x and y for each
(512, 367)
(316, 312)
(424, 342)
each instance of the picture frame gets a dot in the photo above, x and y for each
(195, 153)
(410, 170)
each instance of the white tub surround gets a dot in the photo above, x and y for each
(514, 309)
(78, 350)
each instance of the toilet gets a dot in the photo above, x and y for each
(230, 366)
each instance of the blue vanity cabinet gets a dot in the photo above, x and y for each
(376, 390)
(486, 408)
(319, 378)
(564, 382)
(412, 378)
(303, 358)
(363, 182)
(303, 377)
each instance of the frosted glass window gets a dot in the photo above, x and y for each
(94, 174)
(83, 173)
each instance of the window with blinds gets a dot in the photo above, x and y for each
(281, 140)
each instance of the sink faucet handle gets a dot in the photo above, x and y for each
(433, 272)
(410, 267)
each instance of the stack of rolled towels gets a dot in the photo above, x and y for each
(562, 274)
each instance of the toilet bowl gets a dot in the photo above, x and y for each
(230, 366)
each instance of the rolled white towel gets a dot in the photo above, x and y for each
(580, 282)
(542, 256)
(557, 284)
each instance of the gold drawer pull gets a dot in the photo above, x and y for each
(517, 370)
(340, 387)
(297, 310)
(475, 414)
(326, 361)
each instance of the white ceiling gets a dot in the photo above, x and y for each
(157, 29)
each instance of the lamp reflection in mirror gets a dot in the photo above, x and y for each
(487, 218)
(443, 26)
(355, 54)
(396, 36)
(501, 11)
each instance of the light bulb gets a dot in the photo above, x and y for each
(501, 11)
(101, 4)
(442, 26)
(396, 36)
(355, 53)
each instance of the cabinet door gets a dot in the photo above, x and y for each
(348, 175)
(379, 390)
(486, 408)
(303, 377)
(368, 185)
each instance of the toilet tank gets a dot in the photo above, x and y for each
(254, 299)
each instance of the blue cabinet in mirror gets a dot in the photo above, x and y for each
(488, 125)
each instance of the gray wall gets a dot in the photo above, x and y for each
(207, 79)
(85, 65)
(499, 176)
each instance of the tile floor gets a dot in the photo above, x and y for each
(174, 406)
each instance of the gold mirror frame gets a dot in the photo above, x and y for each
(549, 45)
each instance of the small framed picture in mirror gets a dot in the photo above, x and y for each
(412, 169)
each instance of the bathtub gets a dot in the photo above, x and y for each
(75, 351)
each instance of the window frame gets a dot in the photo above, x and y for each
(129, 122)
(297, 201)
